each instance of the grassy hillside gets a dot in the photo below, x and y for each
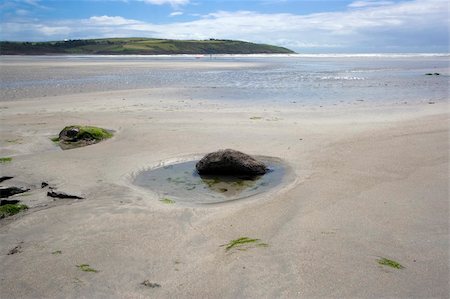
(145, 46)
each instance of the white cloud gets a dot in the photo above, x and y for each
(420, 25)
(176, 13)
(109, 21)
(358, 4)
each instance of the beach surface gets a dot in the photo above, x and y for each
(371, 182)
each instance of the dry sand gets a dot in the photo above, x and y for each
(371, 182)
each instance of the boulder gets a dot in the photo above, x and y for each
(230, 162)
(77, 136)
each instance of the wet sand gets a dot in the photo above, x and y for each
(371, 182)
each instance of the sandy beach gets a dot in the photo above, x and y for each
(371, 182)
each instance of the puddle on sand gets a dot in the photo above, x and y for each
(181, 182)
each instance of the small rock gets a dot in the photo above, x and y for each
(8, 202)
(4, 178)
(56, 194)
(10, 191)
(230, 162)
(149, 284)
(16, 249)
(44, 184)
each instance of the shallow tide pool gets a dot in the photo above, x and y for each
(180, 182)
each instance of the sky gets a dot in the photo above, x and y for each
(305, 26)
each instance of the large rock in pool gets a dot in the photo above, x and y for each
(230, 162)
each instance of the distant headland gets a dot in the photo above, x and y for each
(138, 46)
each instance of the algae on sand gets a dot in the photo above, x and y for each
(5, 159)
(390, 263)
(167, 201)
(86, 268)
(11, 209)
(243, 241)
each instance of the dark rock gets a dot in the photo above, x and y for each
(149, 284)
(10, 191)
(56, 194)
(4, 178)
(8, 202)
(69, 134)
(44, 184)
(230, 162)
(77, 136)
(17, 249)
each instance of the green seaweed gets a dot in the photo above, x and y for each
(11, 209)
(390, 263)
(255, 117)
(243, 241)
(57, 252)
(55, 139)
(86, 268)
(167, 201)
(243, 183)
(14, 141)
(5, 159)
(211, 182)
(86, 132)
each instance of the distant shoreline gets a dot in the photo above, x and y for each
(138, 46)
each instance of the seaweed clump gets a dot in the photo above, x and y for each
(77, 136)
(5, 159)
(86, 268)
(239, 243)
(11, 209)
(390, 263)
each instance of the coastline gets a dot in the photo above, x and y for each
(372, 181)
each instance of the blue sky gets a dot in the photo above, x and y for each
(319, 26)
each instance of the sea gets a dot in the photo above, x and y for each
(295, 78)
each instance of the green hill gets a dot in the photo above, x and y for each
(144, 46)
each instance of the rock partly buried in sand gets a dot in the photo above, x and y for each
(10, 191)
(77, 136)
(56, 194)
(230, 162)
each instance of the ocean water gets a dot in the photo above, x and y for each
(305, 79)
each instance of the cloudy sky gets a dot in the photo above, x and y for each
(305, 26)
